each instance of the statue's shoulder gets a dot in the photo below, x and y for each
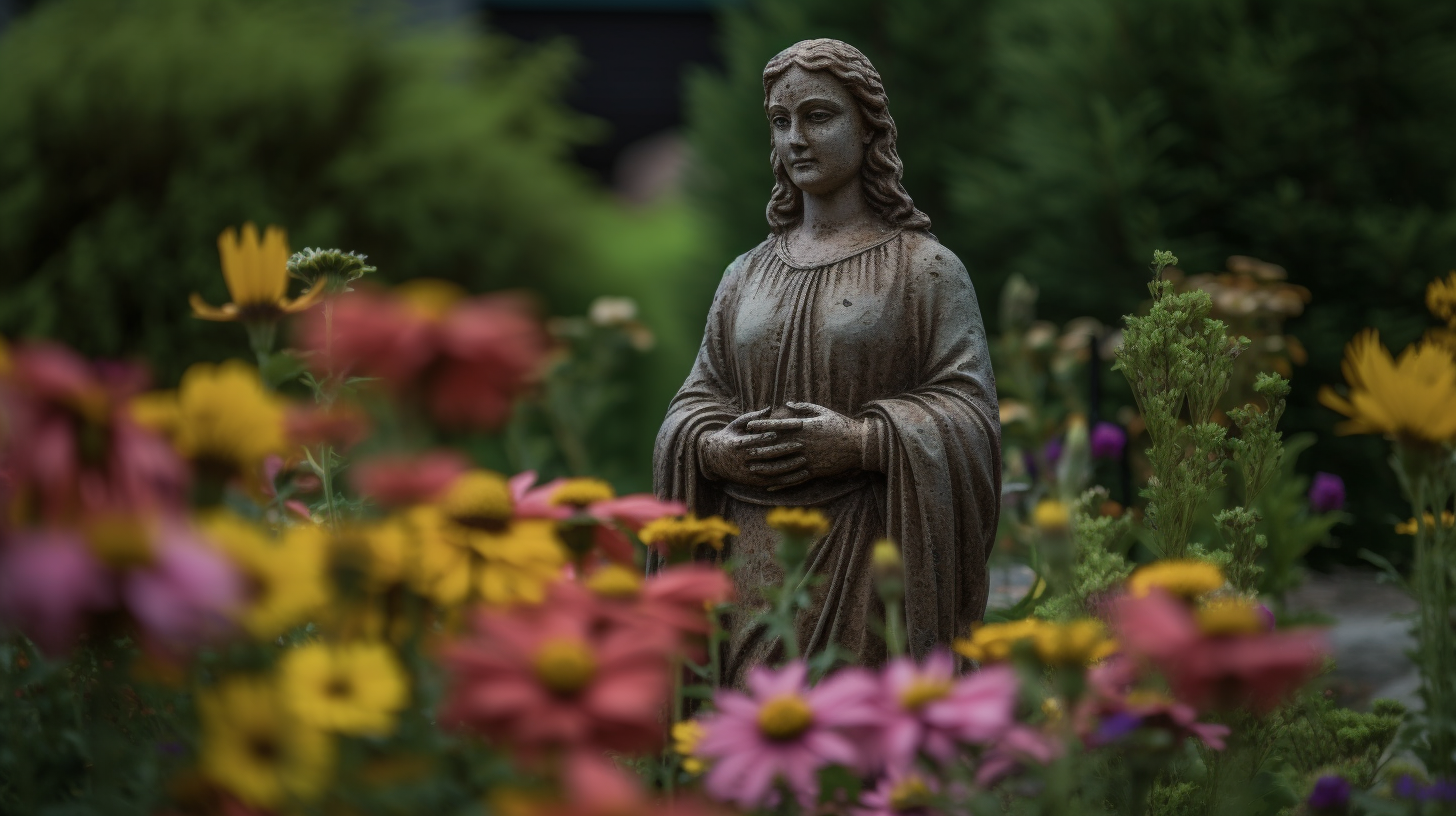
(753, 256)
(928, 256)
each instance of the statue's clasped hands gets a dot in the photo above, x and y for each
(775, 453)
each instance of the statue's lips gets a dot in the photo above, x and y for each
(800, 163)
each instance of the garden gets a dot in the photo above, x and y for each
(328, 389)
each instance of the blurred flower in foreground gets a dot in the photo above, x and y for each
(679, 598)
(685, 738)
(782, 729)
(72, 443)
(1108, 440)
(1327, 493)
(466, 357)
(256, 272)
(354, 688)
(1114, 709)
(926, 709)
(254, 747)
(592, 501)
(1072, 644)
(1051, 517)
(1409, 398)
(1231, 661)
(402, 481)
(189, 593)
(285, 578)
(547, 678)
(1441, 298)
(48, 584)
(1185, 578)
(1409, 526)
(898, 794)
(221, 418)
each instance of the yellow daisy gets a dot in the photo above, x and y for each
(254, 747)
(513, 563)
(479, 499)
(256, 272)
(1230, 616)
(1186, 578)
(1051, 516)
(1408, 527)
(220, 415)
(685, 738)
(355, 688)
(286, 577)
(581, 493)
(994, 642)
(1441, 298)
(799, 522)
(1406, 398)
(686, 532)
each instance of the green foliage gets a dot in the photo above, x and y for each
(1320, 738)
(131, 134)
(1100, 564)
(1290, 528)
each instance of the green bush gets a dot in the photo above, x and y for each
(132, 133)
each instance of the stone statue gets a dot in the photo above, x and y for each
(844, 367)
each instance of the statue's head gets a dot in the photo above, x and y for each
(830, 122)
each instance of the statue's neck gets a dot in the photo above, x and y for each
(843, 211)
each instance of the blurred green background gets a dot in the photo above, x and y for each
(1062, 140)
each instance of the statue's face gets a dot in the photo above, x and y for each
(817, 129)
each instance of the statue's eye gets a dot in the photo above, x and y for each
(780, 122)
(820, 116)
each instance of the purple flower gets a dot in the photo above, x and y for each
(49, 581)
(1116, 726)
(1406, 787)
(189, 595)
(1108, 440)
(1442, 790)
(1327, 493)
(1331, 793)
(1052, 450)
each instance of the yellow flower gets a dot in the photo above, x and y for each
(687, 532)
(885, 557)
(615, 581)
(1408, 527)
(253, 746)
(257, 278)
(1051, 516)
(5, 363)
(430, 298)
(995, 642)
(220, 415)
(479, 499)
(1186, 578)
(799, 522)
(581, 492)
(1410, 397)
(287, 578)
(911, 794)
(120, 540)
(510, 565)
(685, 738)
(1229, 616)
(1073, 644)
(1441, 298)
(355, 688)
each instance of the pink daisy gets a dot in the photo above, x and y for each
(782, 730)
(925, 709)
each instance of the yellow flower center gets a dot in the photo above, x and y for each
(910, 793)
(1188, 579)
(1072, 644)
(565, 666)
(479, 499)
(922, 692)
(688, 531)
(615, 581)
(1230, 617)
(581, 492)
(120, 541)
(1143, 697)
(785, 717)
(430, 298)
(798, 522)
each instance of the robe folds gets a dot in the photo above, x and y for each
(892, 333)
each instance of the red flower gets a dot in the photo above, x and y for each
(72, 443)
(547, 677)
(1256, 669)
(48, 584)
(468, 358)
(338, 425)
(677, 599)
(402, 481)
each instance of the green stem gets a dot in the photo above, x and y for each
(326, 473)
(894, 628)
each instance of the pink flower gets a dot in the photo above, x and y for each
(491, 349)
(676, 600)
(535, 502)
(547, 677)
(1017, 747)
(899, 794)
(1255, 670)
(926, 710)
(49, 581)
(401, 481)
(632, 512)
(784, 730)
(72, 444)
(187, 595)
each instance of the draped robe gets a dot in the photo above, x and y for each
(891, 333)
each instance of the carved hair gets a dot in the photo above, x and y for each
(882, 169)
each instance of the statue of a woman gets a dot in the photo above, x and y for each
(844, 367)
